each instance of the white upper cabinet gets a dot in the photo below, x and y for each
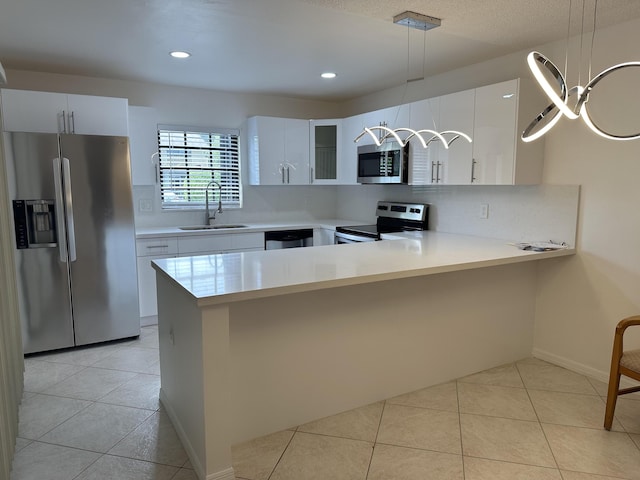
(494, 136)
(278, 150)
(296, 167)
(46, 112)
(325, 143)
(457, 113)
(425, 168)
(143, 144)
(500, 157)
(493, 116)
(26, 111)
(98, 115)
(392, 117)
(351, 128)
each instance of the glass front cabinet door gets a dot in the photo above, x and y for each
(325, 137)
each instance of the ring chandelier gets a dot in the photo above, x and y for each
(563, 104)
(388, 133)
(573, 102)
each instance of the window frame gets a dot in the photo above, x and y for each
(228, 199)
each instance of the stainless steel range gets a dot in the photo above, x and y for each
(392, 217)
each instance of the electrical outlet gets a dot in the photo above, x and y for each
(484, 210)
(145, 205)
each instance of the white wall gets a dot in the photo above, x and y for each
(580, 301)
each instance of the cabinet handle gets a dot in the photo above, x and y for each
(282, 171)
(157, 246)
(288, 176)
(64, 122)
(473, 170)
(310, 174)
(438, 164)
(72, 122)
(433, 166)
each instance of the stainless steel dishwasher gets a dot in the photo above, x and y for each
(278, 239)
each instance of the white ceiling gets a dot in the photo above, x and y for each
(280, 46)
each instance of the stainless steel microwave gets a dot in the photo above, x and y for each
(388, 163)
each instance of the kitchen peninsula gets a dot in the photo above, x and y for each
(255, 342)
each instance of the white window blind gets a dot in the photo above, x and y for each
(190, 158)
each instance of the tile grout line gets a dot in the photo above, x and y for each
(375, 440)
(460, 430)
(546, 439)
(281, 455)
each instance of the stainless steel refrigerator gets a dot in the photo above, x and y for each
(75, 238)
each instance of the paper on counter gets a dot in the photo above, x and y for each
(540, 246)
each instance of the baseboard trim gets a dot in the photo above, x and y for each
(571, 365)
(227, 474)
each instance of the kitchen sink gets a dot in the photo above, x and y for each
(210, 227)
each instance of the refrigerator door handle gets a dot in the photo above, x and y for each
(62, 236)
(68, 200)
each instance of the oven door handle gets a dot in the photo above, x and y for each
(354, 238)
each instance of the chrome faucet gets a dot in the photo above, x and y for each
(207, 213)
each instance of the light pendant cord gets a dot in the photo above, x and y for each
(593, 34)
(566, 53)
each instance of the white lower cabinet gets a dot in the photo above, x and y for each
(149, 249)
(183, 246)
(224, 243)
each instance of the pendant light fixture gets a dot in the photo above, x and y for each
(570, 102)
(381, 133)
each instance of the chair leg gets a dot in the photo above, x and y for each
(612, 396)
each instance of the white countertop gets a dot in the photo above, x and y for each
(231, 277)
(150, 232)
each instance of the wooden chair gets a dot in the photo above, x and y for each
(622, 363)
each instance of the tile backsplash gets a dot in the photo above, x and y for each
(514, 213)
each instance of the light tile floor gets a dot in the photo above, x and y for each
(93, 413)
(529, 420)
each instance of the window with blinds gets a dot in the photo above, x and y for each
(190, 158)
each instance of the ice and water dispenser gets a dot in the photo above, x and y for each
(35, 223)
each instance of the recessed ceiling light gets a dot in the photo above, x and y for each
(328, 75)
(178, 54)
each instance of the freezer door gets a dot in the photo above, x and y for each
(101, 237)
(31, 160)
